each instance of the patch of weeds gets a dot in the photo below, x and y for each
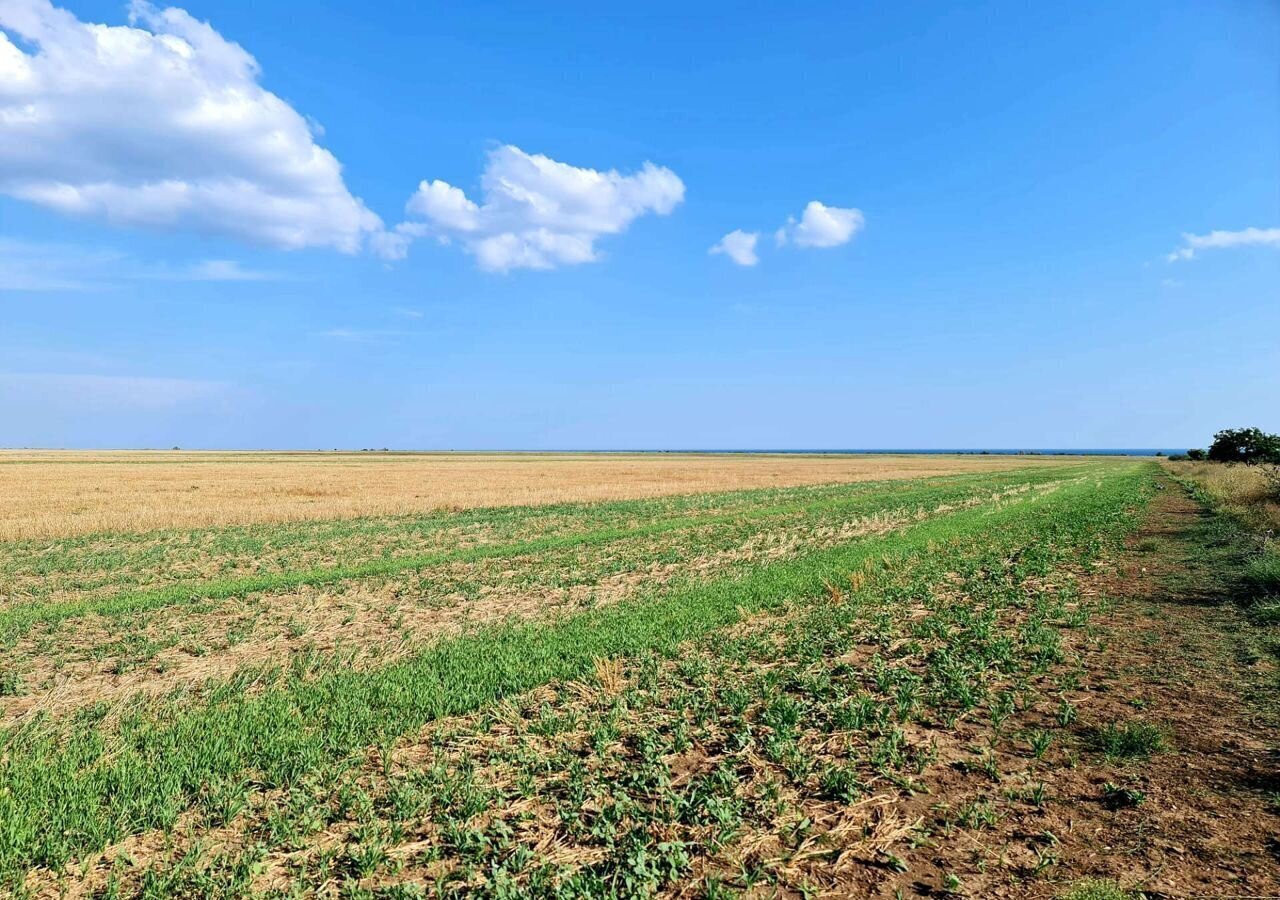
(1265, 611)
(841, 784)
(980, 814)
(1037, 795)
(893, 863)
(1130, 740)
(1095, 889)
(1263, 573)
(1115, 797)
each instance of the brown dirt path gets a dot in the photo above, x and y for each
(1175, 650)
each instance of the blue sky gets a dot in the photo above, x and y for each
(1033, 227)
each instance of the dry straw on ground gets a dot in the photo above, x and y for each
(1251, 493)
(58, 494)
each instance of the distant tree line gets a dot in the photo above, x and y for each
(1239, 445)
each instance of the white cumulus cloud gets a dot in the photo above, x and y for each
(163, 124)
(1219, 240)
(534, 212)
(739, 246)
(821, 226)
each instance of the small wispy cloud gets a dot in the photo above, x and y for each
(225, 270)
(819, 225)
(360, 335)
(407, 312)
(37, 266)
(1223, 240)
(739, 246)
(115, 391)
(41, 266)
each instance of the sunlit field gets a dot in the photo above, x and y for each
(753, 546)
(571, 676)
(56, 494)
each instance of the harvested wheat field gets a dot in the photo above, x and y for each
(56, 494)
(393, 676)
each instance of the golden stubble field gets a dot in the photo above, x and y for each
(51, 494)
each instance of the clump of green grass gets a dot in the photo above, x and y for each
(1263, 573)
(1130, 740)
(978, 814)
(1095, 889)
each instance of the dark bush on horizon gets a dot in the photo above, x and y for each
(1245, 445)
